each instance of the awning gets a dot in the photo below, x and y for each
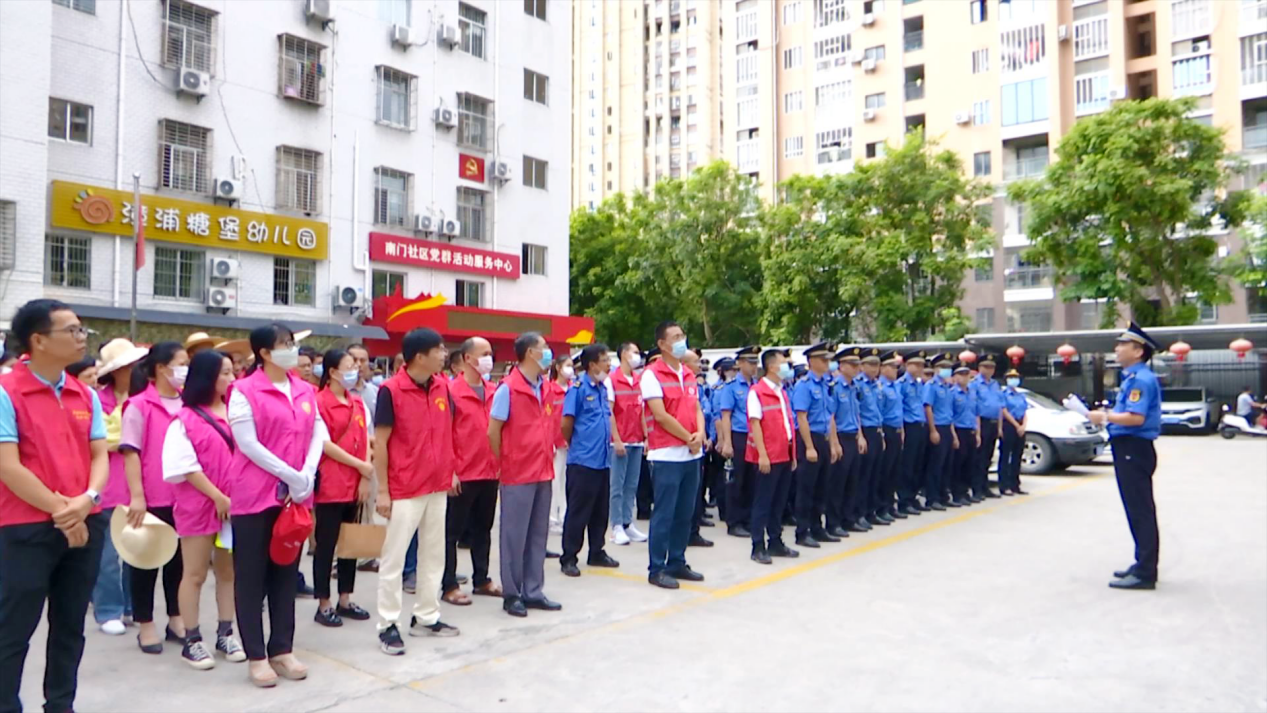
(1203, 336)
(216, 321)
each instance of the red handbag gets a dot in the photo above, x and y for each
(290, 532)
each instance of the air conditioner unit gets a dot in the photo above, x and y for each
(229, 189)
(501, 171)
(222, 297)
(857, 56)
(350, 298)
(868, 114)
(1117, 93)
(1062, 32)
(868, 65)
(193, 82)
(322, 10)
(424, 223)
(868, 19)
(402, 35)
(1201, 46)
(450, 228)
(447, 35)
(224, 268)
(963, 117)
(443, 117)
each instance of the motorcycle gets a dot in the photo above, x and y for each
(1230, 425)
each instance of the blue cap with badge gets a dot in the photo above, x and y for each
(1136, 333)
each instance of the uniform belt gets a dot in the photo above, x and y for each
(989, 420)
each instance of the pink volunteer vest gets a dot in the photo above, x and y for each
(194, 512)
(116, 490)
(158, 492)
(282, 428)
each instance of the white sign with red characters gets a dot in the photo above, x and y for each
(442, 256)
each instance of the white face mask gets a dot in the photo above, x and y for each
(286, 358)
(485, 365)
(568, 372)
(349, 379)
(635, 361)
(179, 374)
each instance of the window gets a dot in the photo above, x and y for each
(832, 94)
(874, 150)
(535, 171)
(876, 53)
(791, 58)
(470, 294)
(1031, 318)
(873, 7)
(536, 87)
(473, 115)
(189, 37)
(302, 73)
(977, 11)
(981, 164)
(1254, 57)
(980, 113)
(1023, 47)
(534, 259)
(980, 61)
(835, 145)
(985, 319)
(536, 8)
(793, 101)
(67, 262)
(88, 6)
(791, 13)
(395, 12)
(1189, 17)
(831, 47)
(1024, 102)
(298, 179)
(471, 25)
(874, 101)
(471, 213)
(793, 146)
(178, 273)
(831, 11)
(1208, 314)
(69, 121)
(387, 283)
(184, 156)
(397, 92)
(391, 196)
(294, 282)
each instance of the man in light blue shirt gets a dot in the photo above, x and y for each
(587, 423)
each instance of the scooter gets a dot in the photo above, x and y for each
(1231, 425)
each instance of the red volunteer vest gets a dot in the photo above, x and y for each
(527, 443)
(680, 401)
(346, 423)
(472, 455)
(554, 393)
(53, 440)
(627, 407)
(420, 449)
(778, 447)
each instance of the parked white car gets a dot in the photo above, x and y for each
(1057, 437)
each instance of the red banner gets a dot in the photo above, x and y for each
(442, 256)
(471, 167)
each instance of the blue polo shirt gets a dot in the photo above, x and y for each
(734, 398)
(868, 401)
(706, 407)
(810, 395)
(1015, 402)
(912, 391)
(500, 409)
(989, 395)
(890, 403)
(845, 404)
(586, 403)
(937, 395)
(1140, 393)
(963, 407)
(9, 417)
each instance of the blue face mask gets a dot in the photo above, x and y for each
(945, 373)
(785, 371)
(1013, 382)
(679, 349)
(318, 370)
(377, 380)
(547, 356)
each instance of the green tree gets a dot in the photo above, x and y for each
(1125, 212)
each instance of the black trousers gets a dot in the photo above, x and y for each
(985, 453)
(912, 462)
(864, 494)
(811, 484)
(770, 493)
(38, 565)
(1010, 458)
(471, 513)
(644, 495)
(938, 464)
(697, 517)
(890, 469)
(330, 518)
(145, 580)
(588, 502)
(844, 475)
(964, 462)
(739, 491)
(1134, 462)
(256, 578)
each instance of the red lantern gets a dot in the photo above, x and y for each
(1180, 349)
(1016, 353)
(1241, 346)
(1067, 352)
(968, 356)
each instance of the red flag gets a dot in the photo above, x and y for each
(471, 168)
(138, 220)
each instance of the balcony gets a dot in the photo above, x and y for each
(835, 155)
(1254, 137)
(1091, 93)
(746, 26)
(913, 41)
(1253, 16)
(746, 156)
(1193, 76)
(1020, 278)
(1253, 60)
(914, 90)
(1091, 38)
(1031, 167)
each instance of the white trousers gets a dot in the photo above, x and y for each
(558, 488)
(425, 514)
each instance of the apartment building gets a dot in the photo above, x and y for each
(297, 159)
(814, 86)
(646, 93)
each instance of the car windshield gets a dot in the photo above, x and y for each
(1182, 395)
(1044, 401)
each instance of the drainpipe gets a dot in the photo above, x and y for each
(497, 75)
(118, 149)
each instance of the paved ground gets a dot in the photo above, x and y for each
(1002, 606)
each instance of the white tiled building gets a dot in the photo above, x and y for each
(329, 122)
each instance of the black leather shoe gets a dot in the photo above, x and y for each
(789, 521)
(807, 541)
(1007, 492)
(884, 517)
(1124, 573)
(544, 604)
(738, 531)
(570, 569)
(760, 556)
(866, 526)
(779, 549)
(838, 531)
(1022, 492)
(953, 503)
(877, 521)
(707, 523)
(604, 560)
(912, 510)
(662, 580)
(698, 540)
(1132, 582)
(937, 506)
(553, 555)
(853, 527)
(514, 606)
(991, 493)
(896, 514)
(823, 536)
(977, 499)
(923, 507)
(685, 572)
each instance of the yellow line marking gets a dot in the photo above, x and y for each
(688, 586)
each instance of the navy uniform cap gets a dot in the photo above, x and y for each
(915, 355)
(962, 367)
(942, 358)
(576, 360)
(889, 356)
(849, 354)
(800, 370)
(652, 353)
(869, 354)
(724, 363)
(752, 352)
(818, 350)
(988, 358)
(1136, 333)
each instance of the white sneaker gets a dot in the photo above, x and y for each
(556, 528)
(114, 627)
(618, 536)
(634, 534)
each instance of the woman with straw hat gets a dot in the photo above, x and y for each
(197, 460)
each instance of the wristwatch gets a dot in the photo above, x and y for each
(94, 496)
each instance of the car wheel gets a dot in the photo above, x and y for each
(1228, 433)
(1038, 455)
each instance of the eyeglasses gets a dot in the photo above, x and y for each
(77, 331)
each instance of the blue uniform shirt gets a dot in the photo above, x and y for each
(868, 401)
(734, 398)
(912, 392)
(706, 406)
(989, 396)
(1015, 402)
(9, 417)
(937, 395)
(845, 402)
(1140, 393)
(964, 407)
(811, 396)
(586, 403)
(890, 403)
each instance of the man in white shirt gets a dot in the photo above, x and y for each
(1245, 405)
(771, 452)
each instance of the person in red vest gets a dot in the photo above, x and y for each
(473, 500)
(519, 432)
(675, 444)
(53, 466)
(558, 381)
(413, 454)
(771, 449)
(629, 439)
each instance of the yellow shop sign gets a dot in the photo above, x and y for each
(78, 206)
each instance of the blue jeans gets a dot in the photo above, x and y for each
(624, 485)
(112, 594)
(411, 557)
(675, 487)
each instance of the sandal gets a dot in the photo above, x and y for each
(488, 589)
(457, 596)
